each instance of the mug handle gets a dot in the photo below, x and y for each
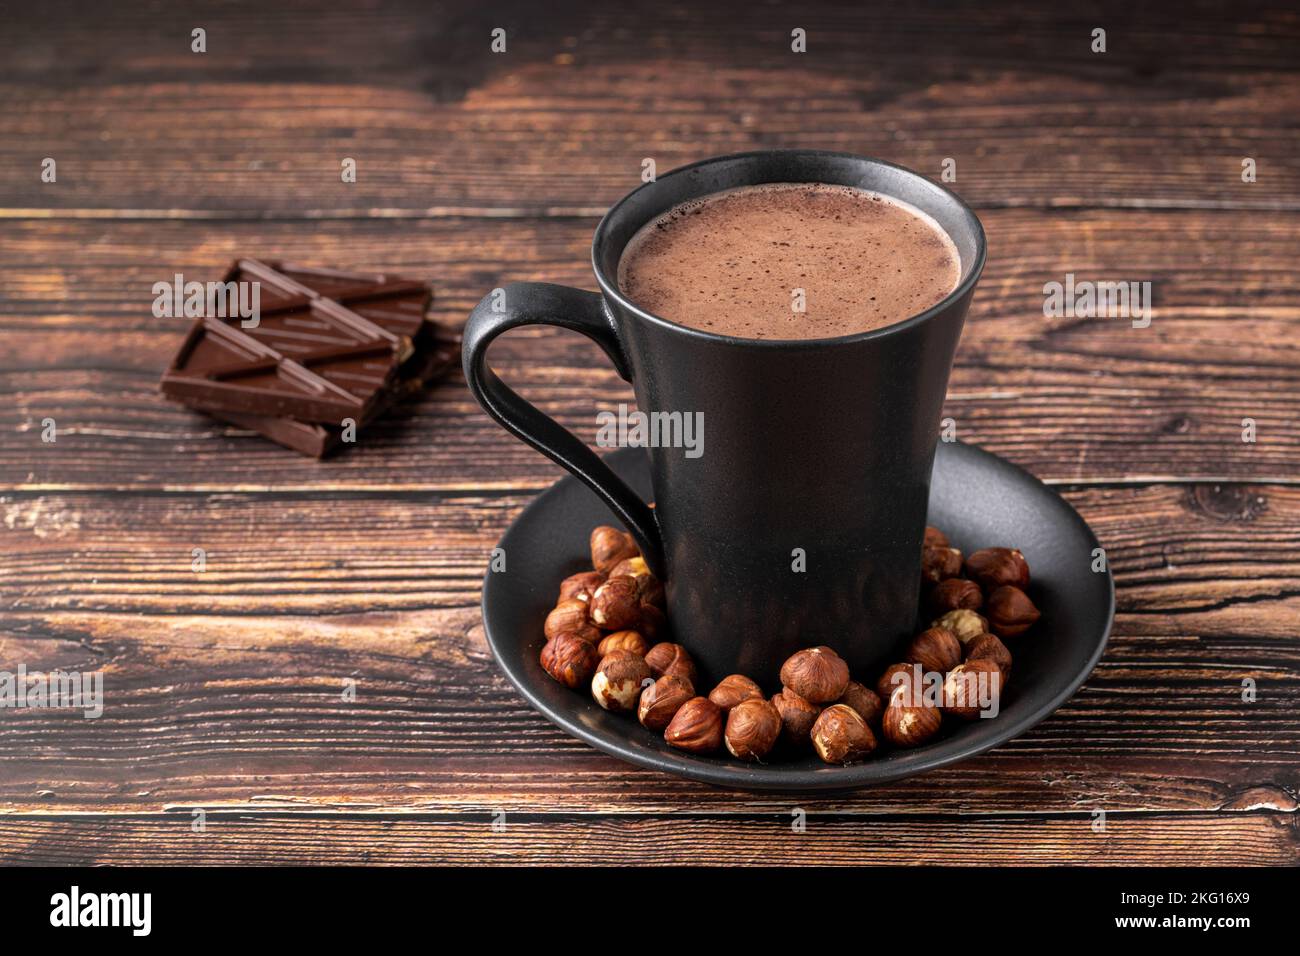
(541, 303)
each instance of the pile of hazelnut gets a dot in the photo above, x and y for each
(603, 628)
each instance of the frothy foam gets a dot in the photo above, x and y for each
(733, 262)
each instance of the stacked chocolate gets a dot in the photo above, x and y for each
(325, 353)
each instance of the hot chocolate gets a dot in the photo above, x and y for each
(789, 261)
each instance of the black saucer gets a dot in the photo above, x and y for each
(978, 499)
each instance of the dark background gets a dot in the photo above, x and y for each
(475, 169)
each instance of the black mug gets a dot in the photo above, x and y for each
(801, 522)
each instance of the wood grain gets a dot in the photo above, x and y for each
(258, 127)
(1072, 400)
(225, 687)
(1256, 839)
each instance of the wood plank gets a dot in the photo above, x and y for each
(757, 838)
(1073, 400)
(562, 121)
(225, 688)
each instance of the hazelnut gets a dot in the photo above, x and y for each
(965, 625)
(986, 647)
(609, 546)
(797, 716)
(618, 680)
(651, 622)
(615, 605)
(652, 592)
(623, 641)
(910, 726)
(570, 659)
(956, 594)
(579, 586)
(890, 683)
(648, 587)
(631, 568)
(939, 564)
(1011, 613)
(816, 674)
(672, 659)
(753, 726)
(970, 686)
(733, 689)
(934, 538)
(864, 700)
(661, 701)
(991, 568)
(696, 727)
(840, 735)
(936, 649)
(570, 615)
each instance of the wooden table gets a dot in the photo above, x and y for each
(224, 688)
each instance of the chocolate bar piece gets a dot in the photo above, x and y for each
(221, 367)
(318, 440)
(393, 304)
(306, 356)
(328, 346)
(308, 438)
